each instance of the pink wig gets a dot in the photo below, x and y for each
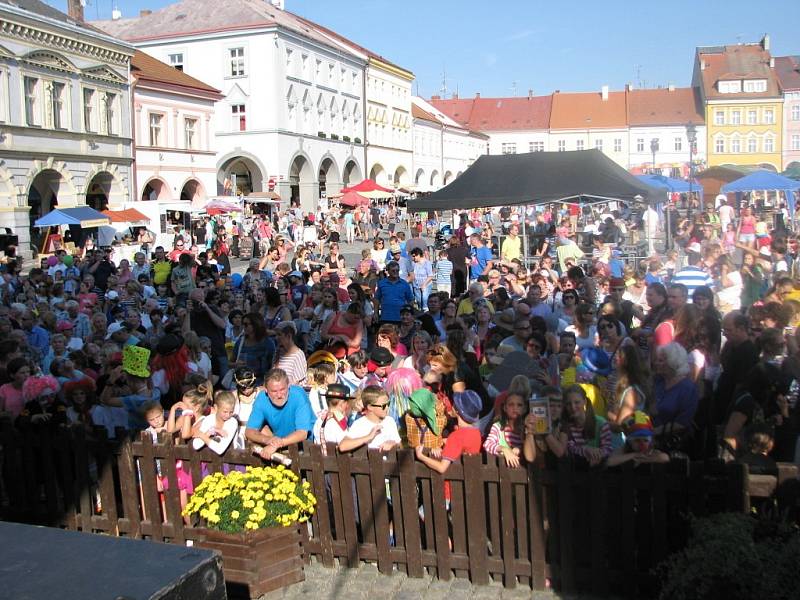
(400, 384)
(39, 386)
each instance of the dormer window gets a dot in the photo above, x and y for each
(755, 85)
(729, 87)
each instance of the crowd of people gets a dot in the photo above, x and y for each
(444, 350)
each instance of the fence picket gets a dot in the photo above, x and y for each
(508, 524)
(126, 466)
(476, 519)
(348, 511)
(151, 505)
(380, 509)
(322, 515)
(408, 504)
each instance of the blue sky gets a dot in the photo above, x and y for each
(496, 47)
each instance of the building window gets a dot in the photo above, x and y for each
(719, 146)
(755, 85)
(32, 117)
(579, 145)
(769, 144)
(109, 114)
(736, 146)
(536, 147)
(155, 129)
(237, 61)
(562, 145)
(89, 124)
(752, 145)
(736, 117)
(769, 116)
(190, 133)
(796, 112)
(719, 117)
(289, 54)
(752, 117)
(678, 144)
(176, 60)
(238, 117)
(617, 144)
(795, 142)
(57, 98)
(508, 148)
(640, 144)
(598, 145)
(729, 87)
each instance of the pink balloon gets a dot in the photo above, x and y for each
(52, 261)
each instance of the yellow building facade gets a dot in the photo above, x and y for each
(744, 133)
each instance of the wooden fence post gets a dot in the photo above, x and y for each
(566, 508)
(130, 493)
(476, 518)
(537, 547)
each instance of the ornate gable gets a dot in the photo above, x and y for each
(49, 60)
(104, 73)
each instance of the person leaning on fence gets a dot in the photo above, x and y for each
(281, 415)
(217, 430)
(376, 428)
(425, 421)
(466, 439)
(331, 424)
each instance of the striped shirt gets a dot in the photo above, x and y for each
(443, 269)
(497, 435)
(692, 277)
(577, 444)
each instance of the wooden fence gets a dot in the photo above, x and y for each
(599, 530)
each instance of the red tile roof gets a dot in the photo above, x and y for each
(588, 110)
(787, 68)
(146, 68)
(420, 113)
(743, 61)
(498, 114)
(678, 106)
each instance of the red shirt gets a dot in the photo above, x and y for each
(465, 440)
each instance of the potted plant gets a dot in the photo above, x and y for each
(334, 136)
(253, 519)
(357, 140)
(346, 138)
(321, 134)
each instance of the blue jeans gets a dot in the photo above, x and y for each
(421, 295)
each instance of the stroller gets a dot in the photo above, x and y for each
(442, 237)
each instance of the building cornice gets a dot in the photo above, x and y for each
(64, 37)
(393, 69)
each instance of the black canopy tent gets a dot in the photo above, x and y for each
(583, 177)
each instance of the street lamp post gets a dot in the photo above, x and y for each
(691, 137)
(654, 149)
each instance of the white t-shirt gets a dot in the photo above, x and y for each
(229, 429)
(363, 426)
(732, 296)
(333, 431)
(242, 412)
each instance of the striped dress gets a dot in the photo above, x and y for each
(577, 444)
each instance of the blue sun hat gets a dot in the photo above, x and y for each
(596, 361)
(468, 405)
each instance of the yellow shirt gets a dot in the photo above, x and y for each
(511, 248)
(465, 307)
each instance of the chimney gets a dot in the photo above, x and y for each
(628, 87)
(604, 92)
(477, 94)
(145, 12)
(771, 62)
(765, 42)
(436, 97)
(75, 9)
(277, 3)
(530, 93)
(671, 86)
(116, 14)
(702, 65)
(455, 96)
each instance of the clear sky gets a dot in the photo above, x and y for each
(497, 47)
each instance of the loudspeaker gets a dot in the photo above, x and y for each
(41, 563)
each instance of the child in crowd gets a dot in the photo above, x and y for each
(760, 443)
(729, 239)
(442, 270)
(320, 375)
(583, 433)
(505, 436)
(331, 425)
(246, 391)
(376, 429)
(217, 429)
(638, 445)
(464, 440)
(355, 372)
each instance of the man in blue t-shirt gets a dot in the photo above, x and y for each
(280, 417)
(482, 261)
(393, 293)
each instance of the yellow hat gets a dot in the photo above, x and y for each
(321, 356)
(135, 361)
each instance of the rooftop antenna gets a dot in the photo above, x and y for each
(514, 88)
(443, 90)
(456, 94)
(638, 75)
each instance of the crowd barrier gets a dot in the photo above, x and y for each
(594, 530)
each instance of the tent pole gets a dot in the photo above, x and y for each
(524, 235)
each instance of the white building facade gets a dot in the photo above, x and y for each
(672, 149)
(65, 133)
(292, 115)
(175, 141)
(443, 149)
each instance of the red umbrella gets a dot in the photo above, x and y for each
(367, 186)
(353, 199)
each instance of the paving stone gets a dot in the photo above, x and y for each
(407, 595)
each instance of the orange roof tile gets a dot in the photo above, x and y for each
(787, 69)
(146, 68)
(419, 113)
(744, 61)
(588, 110)
(678, 106)
(498, 114)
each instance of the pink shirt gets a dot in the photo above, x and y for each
(12, 399)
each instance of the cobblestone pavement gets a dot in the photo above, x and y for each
(366, 583)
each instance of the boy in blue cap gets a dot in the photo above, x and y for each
(464, 440)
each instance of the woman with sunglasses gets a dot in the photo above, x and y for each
(254, 349)
(569, 304)
(378, 253)
(583, 326)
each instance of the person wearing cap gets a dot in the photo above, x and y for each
(129, 386)
(692, 276)
(392, 294)
(281, 415)
(331, 426)
(638, 447)
(466, 439)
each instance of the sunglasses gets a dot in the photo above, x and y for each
(384, 405)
